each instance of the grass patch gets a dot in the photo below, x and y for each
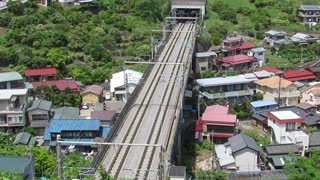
(3, 31)
(277, 61)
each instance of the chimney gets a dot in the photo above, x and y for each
(301, 68)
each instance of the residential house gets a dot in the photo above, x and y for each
(259, 54)
(240, 153)
(84, 130)
(39, 115)
(238, 62)
(303, 39)
(311, 95)
(205, 61)
(307, 107)
(263, 105)
(66, 113)
(269, 87)
(300, 74)
(24, 138)
(40, 74)
(230, 88)
(217, 124)
(315, 70)
(92, 94)
(61, 84)
(280, 154)
(13, 101)
(107, 118)
(123, 83)
(65, 3)
(309, 14)
(23, 165)
(285, 126)
(260, 120)
(235, 45)
(273, 36)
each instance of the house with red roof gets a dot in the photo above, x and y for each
(238, 62)
(271, 69)
(300, 74)
(216, 123)
(41, 74)
(235, 45)
(61, 84)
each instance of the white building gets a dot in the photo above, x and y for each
(240, 153)
(13, 101)
(259, 54)
(123, 83)
(285, 128)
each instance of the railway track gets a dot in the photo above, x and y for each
(149, 120)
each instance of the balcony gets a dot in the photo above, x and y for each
(11, 109)
(286, 94)
(248, 92)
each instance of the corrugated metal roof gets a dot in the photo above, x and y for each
(262, 103)
(15, 164)
(40, 71)
(206, 54)
(6, 94)
(209, 82)
(66, 113)
(105, 131)
(258, 49)
(10, 76)
(309, 7)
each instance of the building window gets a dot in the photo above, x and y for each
(87, 134)
(36, 117)
(290, 126)
(203, 68)
(15, 119)
(260, 53)
(3, 120)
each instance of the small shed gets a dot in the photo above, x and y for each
(92, 94)
(24, 138)
(177, 173)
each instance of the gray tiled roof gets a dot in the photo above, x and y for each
(242, 141)
(66, 113)
(24, 138)
(281, 149)
(40, 104)
(311, 120)
(177, 171)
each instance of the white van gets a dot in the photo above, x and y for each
(107, 96)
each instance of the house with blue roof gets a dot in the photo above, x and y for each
(82, 130)
(263, 105)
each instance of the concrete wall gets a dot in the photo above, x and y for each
(247, 160)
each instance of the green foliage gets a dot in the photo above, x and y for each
(257, 96)
(148, 9)
(72, 164)
(9, 176)
(103, 173)
(207, 74)
(259, 138)
(217, 175)
(15, 7)
(45, 162)
(29, 130)
(242, 110)
(66, 98)
(198, 147)
(304, 167)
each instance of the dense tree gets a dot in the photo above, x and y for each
(56, 58)
(304, 167)
(15, 6)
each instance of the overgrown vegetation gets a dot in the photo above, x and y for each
(304, 167)
(217, 175)
(83, 41)
(259, 138)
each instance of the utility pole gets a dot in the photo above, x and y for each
(59, 161)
